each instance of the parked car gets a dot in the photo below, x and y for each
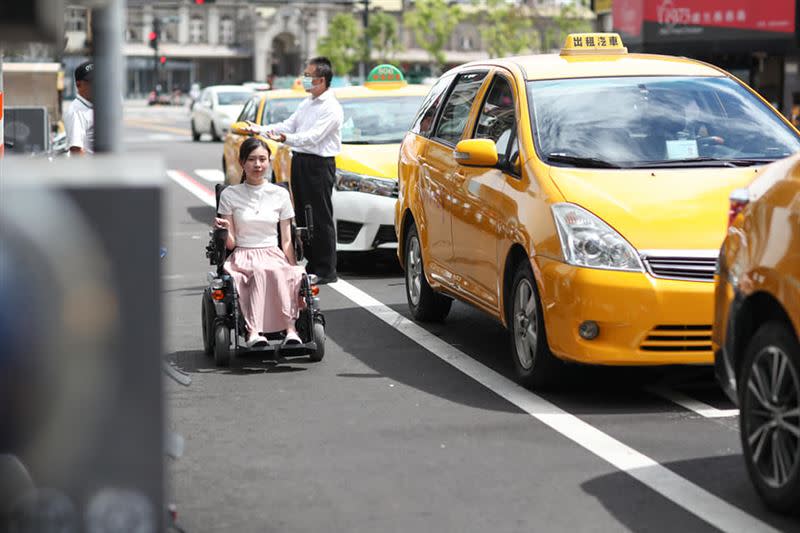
(580, 199)
(215, 110)
(756, 329)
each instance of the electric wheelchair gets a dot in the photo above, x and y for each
(223, 322)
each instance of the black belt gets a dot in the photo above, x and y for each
(315, 156)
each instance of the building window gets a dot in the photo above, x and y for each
(75, 19)
(226, 33)
(196, 30)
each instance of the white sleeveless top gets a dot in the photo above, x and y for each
(256, 211)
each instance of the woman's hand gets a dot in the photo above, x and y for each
(222, 223)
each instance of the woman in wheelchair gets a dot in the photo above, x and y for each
(265, 273)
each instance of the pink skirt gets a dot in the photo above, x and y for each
(268, 287)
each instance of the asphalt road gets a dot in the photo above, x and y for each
(406, 427)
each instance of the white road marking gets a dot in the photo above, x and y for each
(190, 184)
(687, 402)
(210, 174)
(691, 497)
(681, 491)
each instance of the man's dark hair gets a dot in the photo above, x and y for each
(323, 68)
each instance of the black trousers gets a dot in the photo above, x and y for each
(312, 183)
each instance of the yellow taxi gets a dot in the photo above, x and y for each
(376, 116)
(757, 326)
(264, 108)
(580, 198)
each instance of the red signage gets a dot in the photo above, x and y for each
(759, 15)
(628, 17)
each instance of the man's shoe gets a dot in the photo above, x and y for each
(327, 279)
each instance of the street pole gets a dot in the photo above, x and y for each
(108, 81)
(362, 65)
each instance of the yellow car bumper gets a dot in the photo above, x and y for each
(642, 320)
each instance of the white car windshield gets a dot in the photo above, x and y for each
(233, 98)
(655, 121)
(378, 120)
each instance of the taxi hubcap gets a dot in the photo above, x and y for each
(524, 324)
(413, 270)
(772, 416)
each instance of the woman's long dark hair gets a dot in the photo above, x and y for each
(250, 144)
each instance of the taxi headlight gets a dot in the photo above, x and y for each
(587, 241)
(351, 181)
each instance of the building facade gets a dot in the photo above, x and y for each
(233, 41)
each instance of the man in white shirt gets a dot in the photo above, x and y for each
(314, 132)
(79, 118)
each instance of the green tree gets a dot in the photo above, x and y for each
(507, 29)
(343, 45)
(433, 21)
(384, 36)
(571, 18)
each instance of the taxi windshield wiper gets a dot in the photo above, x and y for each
(579, 161)
(702, 162)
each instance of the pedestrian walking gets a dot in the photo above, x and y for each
(314, 133)
(79, 118)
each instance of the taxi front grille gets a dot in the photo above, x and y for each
(678, 338)
(688, 266)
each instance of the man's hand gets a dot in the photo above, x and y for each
(277, 137)
(253, 128)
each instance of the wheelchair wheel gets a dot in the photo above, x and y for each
(206, 317)
(222, 345)
(319, 339)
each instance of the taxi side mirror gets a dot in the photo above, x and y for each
(476, 153)
(241, 128)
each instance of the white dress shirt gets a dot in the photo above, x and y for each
(315, 127)
(79, 124)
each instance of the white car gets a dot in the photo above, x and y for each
(217, 108)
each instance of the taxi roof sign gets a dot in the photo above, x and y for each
(593, 43)
(385, 76)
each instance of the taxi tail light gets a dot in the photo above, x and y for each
(739, 199)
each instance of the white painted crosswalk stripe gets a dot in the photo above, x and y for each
(213, 175)
(686, 401)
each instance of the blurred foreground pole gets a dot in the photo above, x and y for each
(107, 28)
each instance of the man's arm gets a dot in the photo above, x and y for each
(330, 120)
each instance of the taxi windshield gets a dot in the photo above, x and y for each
(655, 121)
(383, 120)
(279, 109)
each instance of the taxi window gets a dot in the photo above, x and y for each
(423, 122)
(497, 120)
(249, 110)
(455, 112)
(383, 120)
(279, 109)
(233, 97)
(655, 121)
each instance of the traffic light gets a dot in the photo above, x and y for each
(155, 34)
(162, 60)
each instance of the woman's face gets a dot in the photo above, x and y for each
(256, 164)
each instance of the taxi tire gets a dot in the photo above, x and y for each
(432, 306)
(545, 367)
(784, 498)
(195, 133)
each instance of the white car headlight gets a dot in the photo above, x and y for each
(351, 181)
(587, 241)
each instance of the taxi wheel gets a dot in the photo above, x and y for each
(426, 305)
(769, 423)
(535, 365)
(195, 133)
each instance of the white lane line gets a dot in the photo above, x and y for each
(681, 491)
(190, 184)
(691, 497)
(210, 174)
(687, 402)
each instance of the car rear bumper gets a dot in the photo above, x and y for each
(642, 320)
